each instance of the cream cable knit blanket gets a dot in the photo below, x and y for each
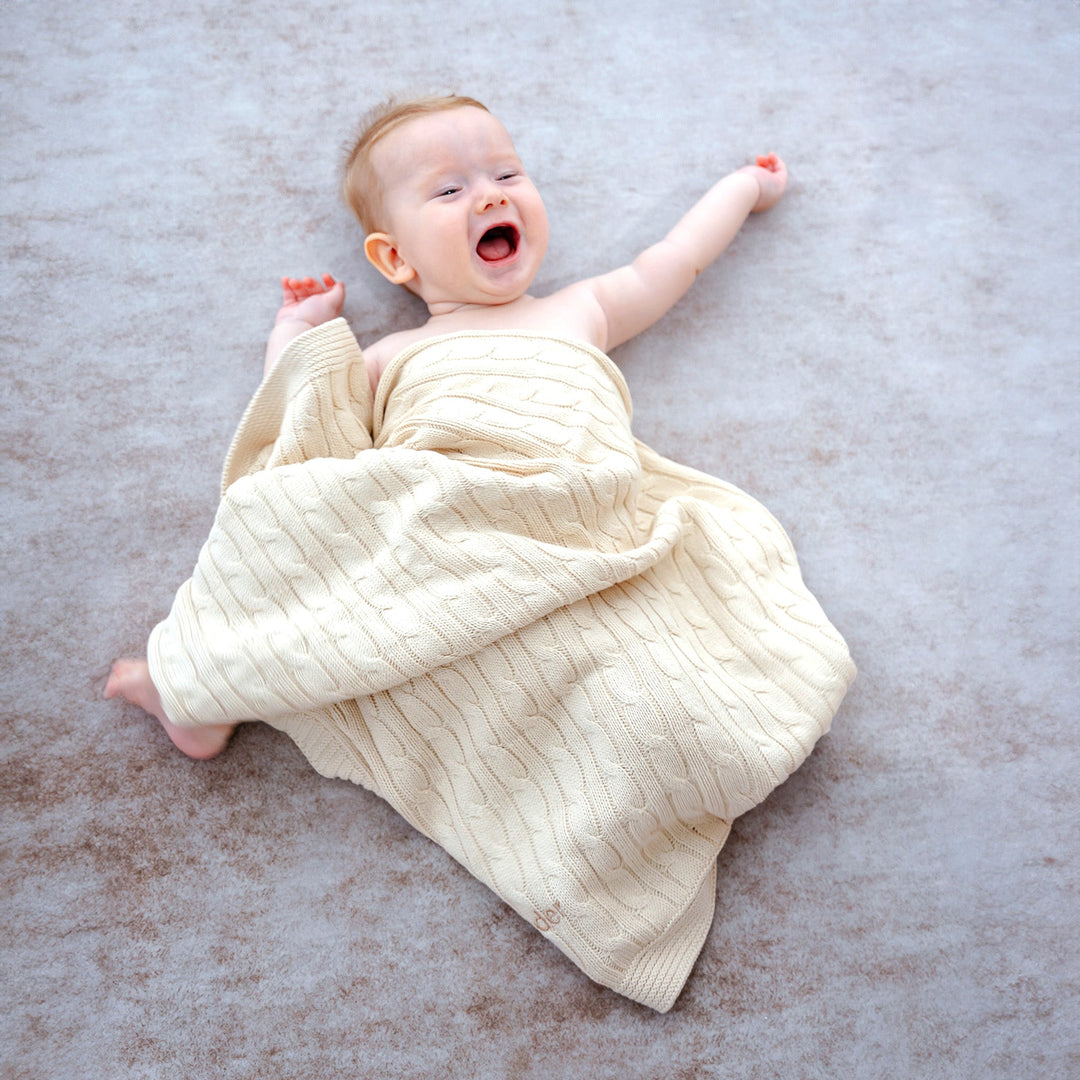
(562, 657)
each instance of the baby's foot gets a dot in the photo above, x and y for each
(130, 679)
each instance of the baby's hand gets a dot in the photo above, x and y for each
(307, 300)
(771, 175)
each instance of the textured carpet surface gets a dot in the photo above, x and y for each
(897, 382)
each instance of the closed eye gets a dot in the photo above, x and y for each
(446, 191)
(507, 176)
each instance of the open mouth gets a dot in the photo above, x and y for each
(499, 242)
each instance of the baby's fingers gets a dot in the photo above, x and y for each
(298, 288)
(308, 286)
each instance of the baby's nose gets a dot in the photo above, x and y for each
(490, 195)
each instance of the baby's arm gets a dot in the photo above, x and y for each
(305, 303)
(635, 296)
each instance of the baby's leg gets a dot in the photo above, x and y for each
(130, 679)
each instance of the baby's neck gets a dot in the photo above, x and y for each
(447, 316)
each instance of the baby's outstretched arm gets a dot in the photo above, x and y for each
(633, 297)
(305, 303)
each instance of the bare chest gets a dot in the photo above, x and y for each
(563, 314)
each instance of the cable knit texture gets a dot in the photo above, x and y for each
(566, 659)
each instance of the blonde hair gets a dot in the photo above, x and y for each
(360, 185)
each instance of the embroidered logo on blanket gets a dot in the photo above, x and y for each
(548, 919)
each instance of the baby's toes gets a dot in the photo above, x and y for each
(119, 677)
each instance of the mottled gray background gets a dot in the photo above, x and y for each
(888, 360)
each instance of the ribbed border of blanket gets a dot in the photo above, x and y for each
(658, 973)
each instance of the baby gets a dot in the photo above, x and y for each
(452, 215)
(446, 568)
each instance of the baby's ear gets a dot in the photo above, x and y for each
(384, 256)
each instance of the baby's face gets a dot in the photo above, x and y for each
(459, 208)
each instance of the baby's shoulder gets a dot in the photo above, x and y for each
(385, 348)
(377, 354)
(570, 312)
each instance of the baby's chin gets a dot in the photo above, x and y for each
(489, 283)
(509, 276)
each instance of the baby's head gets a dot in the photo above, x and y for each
(445, 202)
(361, 186)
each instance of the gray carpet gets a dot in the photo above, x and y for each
(888, 360)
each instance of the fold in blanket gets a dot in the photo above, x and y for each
(566, 659)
